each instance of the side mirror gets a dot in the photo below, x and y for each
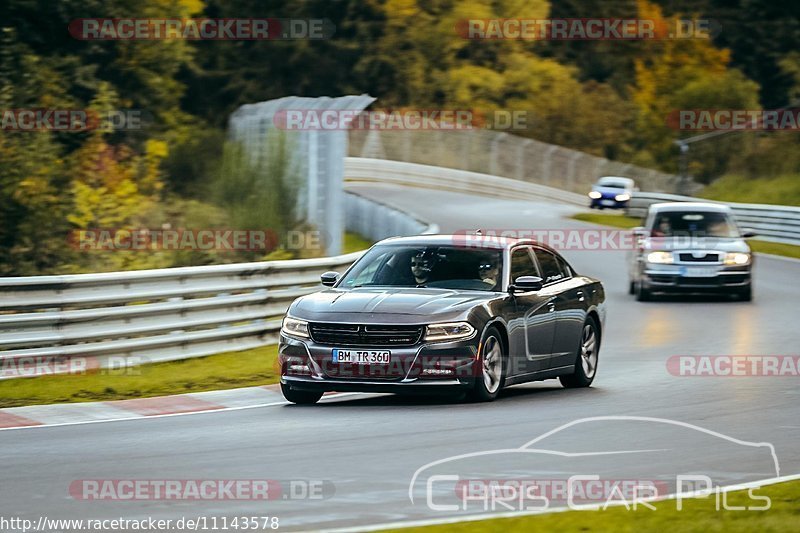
(526, 284)
(748, 233)
(329, 279)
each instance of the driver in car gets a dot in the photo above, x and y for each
(421, 268)
(488, 272)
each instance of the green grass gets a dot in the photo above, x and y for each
(618, 221)
(621, 221)
(698, 515)
(781, 190)
(354, 243)
(223, 371)
(775, 248)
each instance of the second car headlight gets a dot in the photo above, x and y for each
(449, 331)
(737, 258)
(294, 327)
(622, 197)
(595, 195)
(659, 257)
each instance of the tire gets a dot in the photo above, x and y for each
(300, 397)
(492, 359)
(631, 287)
(642, 294)
(587, 357)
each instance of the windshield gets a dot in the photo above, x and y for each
(612, 184)
(695, 223)
(447, 267)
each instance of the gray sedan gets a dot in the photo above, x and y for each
(691, 247)
(444, 313)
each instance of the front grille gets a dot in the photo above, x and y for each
(364, 335)
(711, 257)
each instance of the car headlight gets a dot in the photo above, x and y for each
(737, 258)
(622, 197)
(449, 331)
(659, 257)
(595, 195)
(294, 327)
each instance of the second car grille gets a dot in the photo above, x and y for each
(710, 257)
(364, 335)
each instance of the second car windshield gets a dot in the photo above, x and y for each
(447, 267)
(708, 224)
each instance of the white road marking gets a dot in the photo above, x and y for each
(207, 411)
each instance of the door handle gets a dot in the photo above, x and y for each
(582, 297)
(551, 306)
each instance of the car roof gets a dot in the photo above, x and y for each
(690, 206)
(606, 179)
(489, 241)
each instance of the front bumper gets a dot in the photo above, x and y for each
(422, 368)
(678, 278)
(608, 203)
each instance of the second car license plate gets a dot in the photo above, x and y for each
(699, 272)
(607, 202)
(362, 357)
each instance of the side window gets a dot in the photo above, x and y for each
(565, 268)
(551, 270)
(521, 264)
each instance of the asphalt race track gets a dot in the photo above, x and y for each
(370, 446)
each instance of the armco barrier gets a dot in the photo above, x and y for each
(772, 222)
(776, 223)
(440, 178)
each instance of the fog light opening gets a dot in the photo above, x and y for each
(297, 369)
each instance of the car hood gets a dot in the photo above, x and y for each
(405, 304)
(698, 243)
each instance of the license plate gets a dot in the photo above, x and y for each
(699, 272)
(362, 357)
(607, 202)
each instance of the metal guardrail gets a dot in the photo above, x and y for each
(126, 318)
(498, 153)
(775, 223)
(426, 176)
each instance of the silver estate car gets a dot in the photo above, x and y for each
(691, 247)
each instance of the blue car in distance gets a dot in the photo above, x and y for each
(611, 192)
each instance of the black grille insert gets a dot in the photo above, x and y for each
(711, 257)
(364, 335)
